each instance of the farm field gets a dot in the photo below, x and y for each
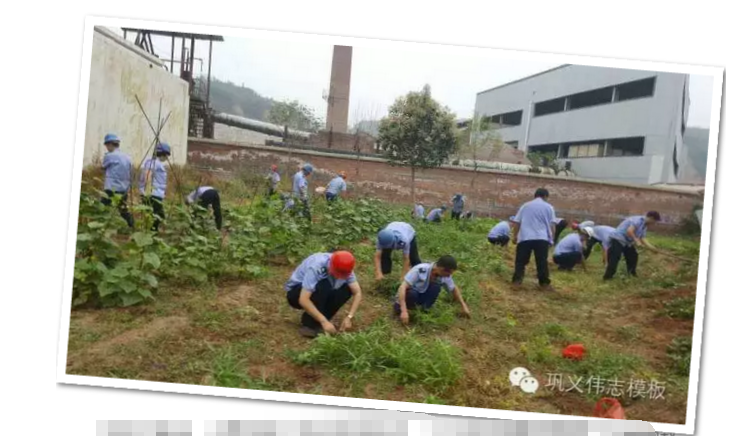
(195, 307)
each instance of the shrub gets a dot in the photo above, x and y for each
(680, 308)
(680, 353)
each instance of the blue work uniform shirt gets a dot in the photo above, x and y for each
(196, 194)
(434, 214)
(159, 176)
(458, 203)
(118, 167)
(620, 234)
(418, 279)
(404, 234)
(274, 178)
(336, 185)
(536, 218)
(569, 244)
(314, 269)
(500, 229)
(418, 211)
(299, 185)
(602, 234)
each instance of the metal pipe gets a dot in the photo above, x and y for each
(209, 71)
(258, 126)
(173, 51)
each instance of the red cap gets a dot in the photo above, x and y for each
(574, 225)
(342, 174)
(574, 351)
(273, 168)
(342, 264)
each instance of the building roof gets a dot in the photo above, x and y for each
(524, 78)
(196, 36)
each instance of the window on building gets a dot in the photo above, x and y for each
(637, 89)
(506, 119)
(625, 147)
(511, 118)
(595, 149)
(551, 149)
(590, 98)
(550, 106)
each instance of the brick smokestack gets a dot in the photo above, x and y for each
(337, 117)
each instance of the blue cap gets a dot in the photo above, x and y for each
(512, 218)
(163, 148)
(307, 168)
(111, 138)
(386, 238)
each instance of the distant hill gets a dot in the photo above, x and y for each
(696, 140)
(237, 100)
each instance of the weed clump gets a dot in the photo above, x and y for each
(405, 357)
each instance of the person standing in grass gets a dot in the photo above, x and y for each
(153, 181)
(118, 178)
(300, 188)
(423, 283)
(623, 241)
(320, 286)
(336, 186)
(458, 204)
(395, 236)
(273, 178)
(435, 216)
(207, 197)
(499, 234)
(598, 235)
(534, 229)
(418, 211)
(569, 252)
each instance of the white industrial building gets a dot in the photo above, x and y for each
(121, 72)
(607, 124)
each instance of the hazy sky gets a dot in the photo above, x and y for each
(301, 71)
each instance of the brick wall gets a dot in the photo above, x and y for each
(492, 193)
(342, 141)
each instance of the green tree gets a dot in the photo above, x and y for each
(294, 115)
(480, 134)
(418, 133)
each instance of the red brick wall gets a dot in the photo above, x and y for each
(342, 141)
(492, 193)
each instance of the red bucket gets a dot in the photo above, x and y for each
(574, 351)
(609, 408)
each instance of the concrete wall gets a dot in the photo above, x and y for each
(119, 71)
(494, 193)
(657, 118)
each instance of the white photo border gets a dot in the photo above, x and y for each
(90, 22)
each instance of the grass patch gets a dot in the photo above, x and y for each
(680, 308)
(229, 371)
(407, 358)
(680, 353)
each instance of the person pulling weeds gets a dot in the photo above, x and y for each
(320, 286)
(623, 241)
(569, 251)
(395, 236)
(423, 283)
(118, 168)
(207, 197)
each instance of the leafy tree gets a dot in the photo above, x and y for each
(418, 133)
(477, 136)
(543, 160)
(294, 115)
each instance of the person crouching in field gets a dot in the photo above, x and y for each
(320, 286)
(570, 251)
(395, 236)
(118, 168)
(336, 186)
(207, 197)
(418, 211)
(598, 235)
(630, 232)
(499, 234)
(435, 216)
(422, 285)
